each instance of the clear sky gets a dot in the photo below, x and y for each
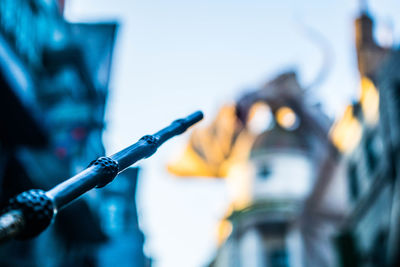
(174, 57)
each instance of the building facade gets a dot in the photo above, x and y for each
(55, 80)
(272, 219)
(369, 233)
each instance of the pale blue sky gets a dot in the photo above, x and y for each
(173, 57)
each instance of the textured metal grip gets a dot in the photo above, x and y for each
(32, 211)
(108, 167)
(37, 211)
(151, 140)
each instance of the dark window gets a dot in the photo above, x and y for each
(353, 181)
(379, 249)
(264, 171)
(372, 151)
(278, 258)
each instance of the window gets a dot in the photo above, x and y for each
(353, 181)
(278, 258)
(264, 171)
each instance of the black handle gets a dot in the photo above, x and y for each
(31, 212)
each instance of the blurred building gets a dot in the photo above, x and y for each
(273, 149)
(54, 77)
(368, 136)
(305, 192)
(120, 223)
(273, 219)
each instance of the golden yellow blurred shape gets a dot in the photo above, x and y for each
(286, 117)
(190, 164)
(211, 151)
(346, 132)
(369, 101)
(224, 230)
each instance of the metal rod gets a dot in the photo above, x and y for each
(31, 212)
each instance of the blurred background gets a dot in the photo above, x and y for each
(296, 161)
